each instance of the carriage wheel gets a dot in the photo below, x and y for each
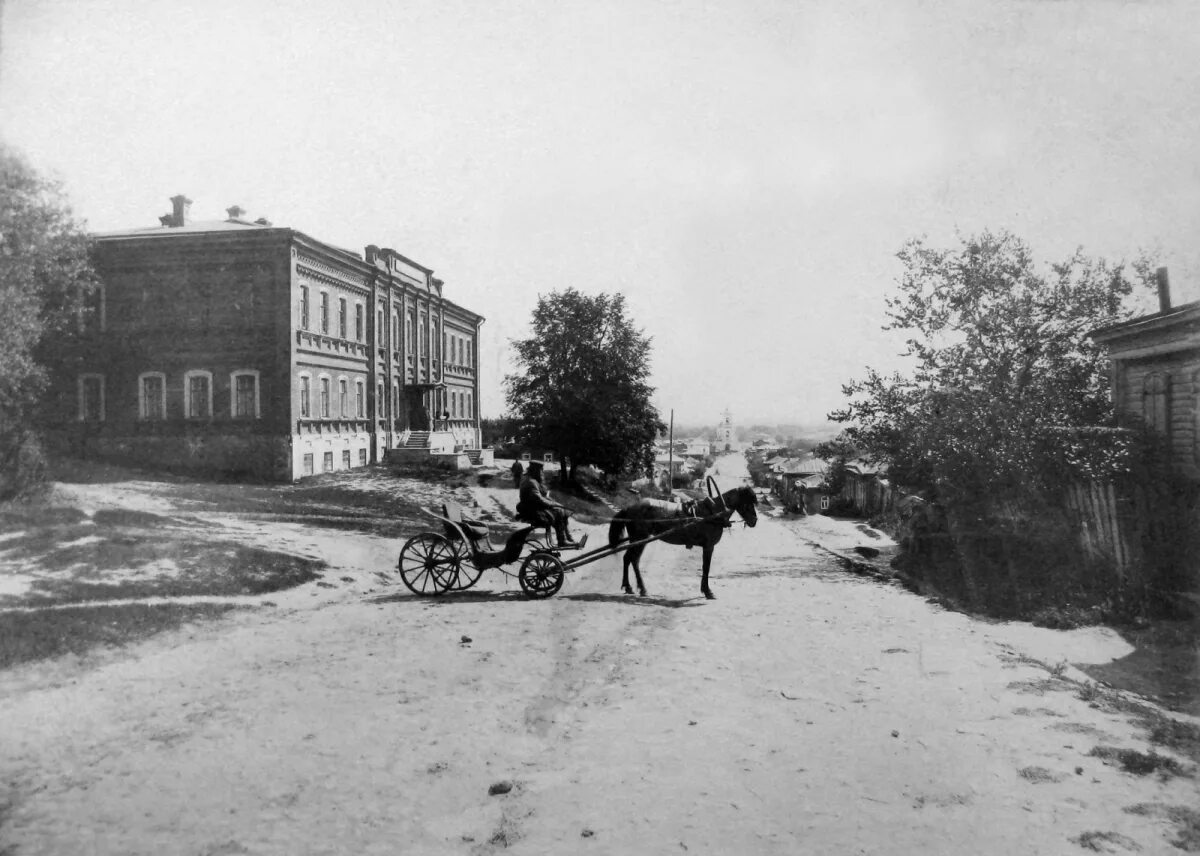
(541, 574)
(467, 574)
(428, 564)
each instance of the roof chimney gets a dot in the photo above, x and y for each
(180, 205)
(1164, 289)
(235, 212)
(263, 221)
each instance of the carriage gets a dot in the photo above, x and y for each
(453, 559)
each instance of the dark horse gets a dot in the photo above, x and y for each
(649, 517)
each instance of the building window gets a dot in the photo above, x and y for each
(305, 397)
(91, 318)
(469, 362)
(304, 307)
(324, 404)
(358, 322)
(423, 336)
(308, 465)
(328, 463)
(152, 396)
(91, 397)
(197, 394)
(360, 399)
(343, 397)
(395, 331)
(345, 459)
(1156, 410)
(325, 312)
(446, 348)
(824, 503)
(342, 317)
(396, 399)
(380, 330)
(412, 332)
(380, 401)
(362, 457)
(243, 388)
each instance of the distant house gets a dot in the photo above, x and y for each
(1156, 375)
(802, 485)
(867, 487)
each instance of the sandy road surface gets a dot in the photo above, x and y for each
(805, 710)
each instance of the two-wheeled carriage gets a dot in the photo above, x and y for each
(453, 559)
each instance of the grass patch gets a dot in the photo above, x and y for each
(138, 565)
(42, 634)
(1186, 820)
(1139, 763)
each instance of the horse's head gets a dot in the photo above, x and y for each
(744, 503)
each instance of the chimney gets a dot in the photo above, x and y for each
(1164, 289)
(235, 212)
(263, 221)
(180, 205)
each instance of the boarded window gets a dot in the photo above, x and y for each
(1156, 409)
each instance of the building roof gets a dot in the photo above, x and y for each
(1176, 329)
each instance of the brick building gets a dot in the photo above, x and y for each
(239, 346)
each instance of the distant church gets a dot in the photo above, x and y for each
(725, 431)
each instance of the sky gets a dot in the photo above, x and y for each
(744, 172)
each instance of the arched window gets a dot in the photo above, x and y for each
(152, 396)
(91, 398)
(305, 396)
(324, 392)
(343, 398)
(197, 394)
(243, 394)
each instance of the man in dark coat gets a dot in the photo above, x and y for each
(535, 505)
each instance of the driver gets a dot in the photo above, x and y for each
(535, 505)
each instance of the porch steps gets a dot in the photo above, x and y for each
(476, 456)
(417, 440)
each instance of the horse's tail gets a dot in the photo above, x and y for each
(615, 529)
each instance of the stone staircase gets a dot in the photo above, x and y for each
(417, 440)
(476, 456)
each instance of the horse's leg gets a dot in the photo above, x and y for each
(631, 559)
(704, 589)
(625, 573)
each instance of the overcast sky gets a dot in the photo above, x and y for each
(743, 171)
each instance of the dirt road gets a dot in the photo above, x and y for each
(805, 710)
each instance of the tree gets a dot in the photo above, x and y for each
(583, 389)
(46, 280)
(1005, 375)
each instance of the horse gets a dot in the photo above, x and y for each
(653, 517)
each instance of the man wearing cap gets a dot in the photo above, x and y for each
(535, 505)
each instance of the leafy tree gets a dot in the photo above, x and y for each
(837, 452)
(1005, 376)
(46, 279)
(583, 391)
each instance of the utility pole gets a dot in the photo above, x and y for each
(671, 457)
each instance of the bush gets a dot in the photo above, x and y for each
(22, 465)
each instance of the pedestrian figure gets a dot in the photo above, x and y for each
(517, 472)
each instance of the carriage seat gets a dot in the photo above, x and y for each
(475, 530)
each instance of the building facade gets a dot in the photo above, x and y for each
(238, 346)
(1156, 375)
